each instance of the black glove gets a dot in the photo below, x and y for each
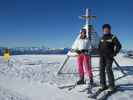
(112, 55)
(115, 54)
(77, 51)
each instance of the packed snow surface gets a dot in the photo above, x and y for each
(34, 77)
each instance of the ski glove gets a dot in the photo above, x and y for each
(77, 51)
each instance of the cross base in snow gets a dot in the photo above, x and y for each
(68, 57)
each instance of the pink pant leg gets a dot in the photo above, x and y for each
(87, 64)
(80, 59)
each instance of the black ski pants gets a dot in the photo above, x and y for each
(106, 68)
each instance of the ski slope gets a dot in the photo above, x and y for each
(33, 77)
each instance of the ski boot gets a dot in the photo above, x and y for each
(102, 88)
(91, 82)
(81, 81)
(112, 88)
(90, 86)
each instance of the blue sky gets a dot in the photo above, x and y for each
(55, 23)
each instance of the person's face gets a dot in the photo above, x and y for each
(83, 34)
(106, 31)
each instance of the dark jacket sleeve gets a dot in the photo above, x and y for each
(117, 45)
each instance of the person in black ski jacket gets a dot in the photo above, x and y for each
(109, 46)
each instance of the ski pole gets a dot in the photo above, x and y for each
(59, 71)
(119, 67)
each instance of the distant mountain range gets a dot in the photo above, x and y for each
(35, 50)
(44, 50)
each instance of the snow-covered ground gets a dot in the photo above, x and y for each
(33, 77)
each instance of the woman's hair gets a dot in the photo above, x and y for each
(83, 30)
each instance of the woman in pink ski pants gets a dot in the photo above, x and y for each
(83, 58)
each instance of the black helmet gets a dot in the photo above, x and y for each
(107, 26)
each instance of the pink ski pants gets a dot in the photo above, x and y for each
(84, 62)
